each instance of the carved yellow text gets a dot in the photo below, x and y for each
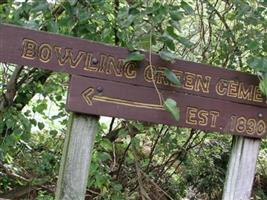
(201, 117)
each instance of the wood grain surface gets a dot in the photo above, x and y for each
(96, 60)
(108, 98)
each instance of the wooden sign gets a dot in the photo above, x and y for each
(109, 98)
(210, 98)
(96, 60)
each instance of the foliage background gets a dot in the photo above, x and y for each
(131, 160)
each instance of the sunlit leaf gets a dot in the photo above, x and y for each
(172, 77)
(167, 55)
(171, 106)
(168, 40)
(134, 56)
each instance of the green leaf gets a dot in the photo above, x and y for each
(136, 142)
(172, 35)
(263, 86)
(144, 42)
(253, 45)
(41, 6)
(117, 187)
(128, 20)
(187, 8)
(40, 108)
(72, 2)
(258, 63)
(100, 180)
(176, 15)
(33, 121)
(167, 55)
(41, 125)
(104, 156)
(53, 132)
(134, 56)
(171, 106)
(106, 144)
(53, 26)
(176, 25)
(10, 123)
(123, 133)
(172, 77)
(187, 43)
(168, 40)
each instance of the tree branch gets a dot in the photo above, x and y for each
(221, 17)
(154, 146)
(11, 89)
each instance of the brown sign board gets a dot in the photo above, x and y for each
(109, 98)
(86, 58)
(210, 98)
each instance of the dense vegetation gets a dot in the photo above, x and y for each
(131, 160)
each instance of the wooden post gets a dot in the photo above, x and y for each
(241, 168)
(76, 157)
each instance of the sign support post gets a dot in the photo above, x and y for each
(241, 168)
(76, 158)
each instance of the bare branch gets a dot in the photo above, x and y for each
(11, 89)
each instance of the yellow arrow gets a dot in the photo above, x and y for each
(89, 97)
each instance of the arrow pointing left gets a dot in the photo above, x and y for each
(88, 95)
